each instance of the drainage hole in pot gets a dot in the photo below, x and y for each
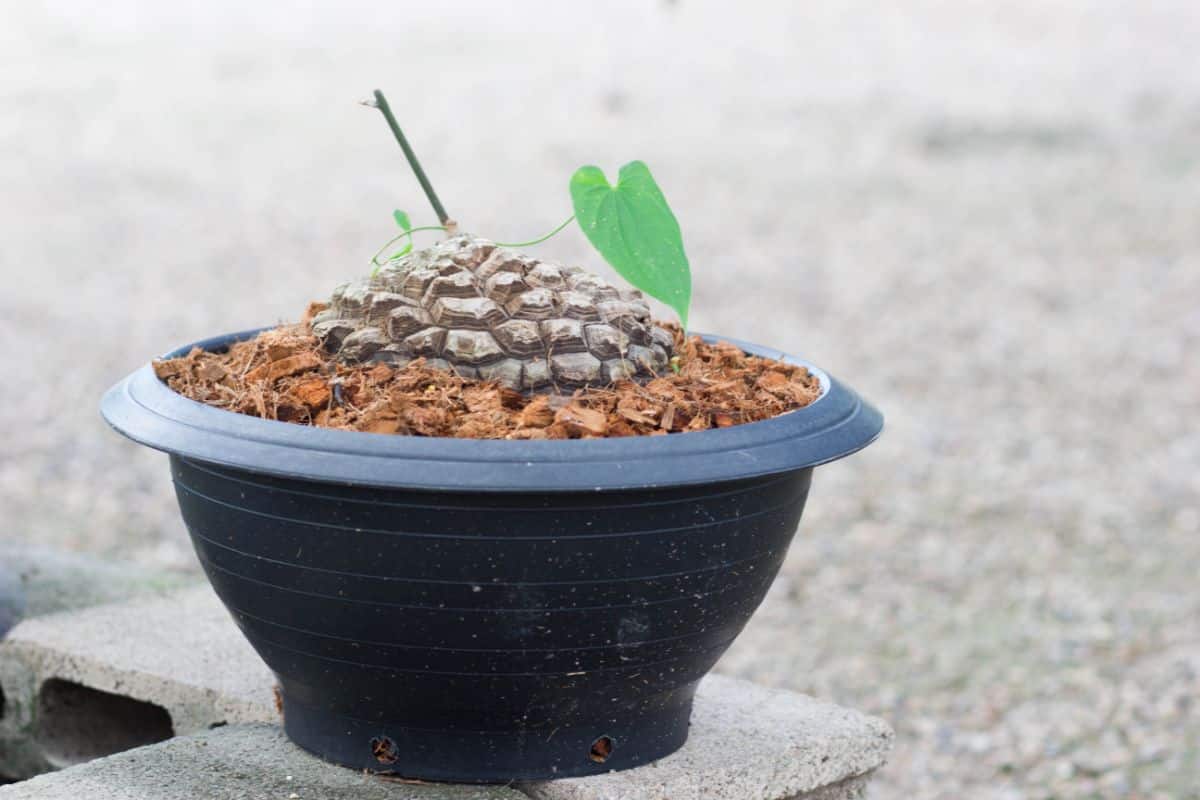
(601, 749)
(384, 750)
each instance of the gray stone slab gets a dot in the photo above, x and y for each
(180, 653)
(38, 580)
(12, 599)
(745, 742)
(748, 743)
(242, 762)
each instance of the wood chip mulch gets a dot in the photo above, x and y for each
(284, 374)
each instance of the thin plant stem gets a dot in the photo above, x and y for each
(382, 104)
(394, 239)
(570, 219)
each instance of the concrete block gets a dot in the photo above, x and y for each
(182, 659)
(749, 743)
(38, 580)
(84, 684)
(242, 762)
(12, 599)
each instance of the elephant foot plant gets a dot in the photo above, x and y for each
(487, 312)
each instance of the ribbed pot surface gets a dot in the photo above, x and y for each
(488, 636)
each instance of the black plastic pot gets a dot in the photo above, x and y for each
(488, 611)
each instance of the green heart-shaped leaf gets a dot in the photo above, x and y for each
(633, 228)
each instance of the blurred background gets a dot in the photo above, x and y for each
(984, 216)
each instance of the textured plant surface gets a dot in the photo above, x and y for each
(486, 311)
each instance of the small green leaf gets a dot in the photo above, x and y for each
(406, 226)
(633, 228)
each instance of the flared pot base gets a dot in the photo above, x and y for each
(618, 740)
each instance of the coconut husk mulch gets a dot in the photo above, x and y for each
(284, 374)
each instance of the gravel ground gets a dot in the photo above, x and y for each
(987, 219)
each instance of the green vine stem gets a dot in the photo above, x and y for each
(375, 258)
(382, 104)
(570, 219)
(394, 239)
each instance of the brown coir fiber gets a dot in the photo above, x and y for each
(284, 374)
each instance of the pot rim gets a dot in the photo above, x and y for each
(838, 423)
